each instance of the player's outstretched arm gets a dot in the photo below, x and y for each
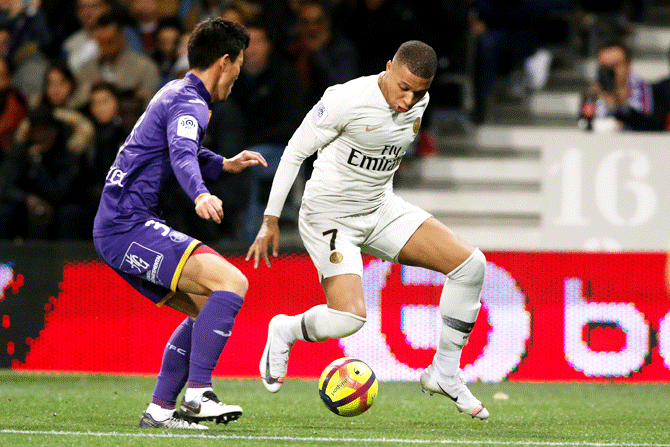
(243, 160)
(268, 234)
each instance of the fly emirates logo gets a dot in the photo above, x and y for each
(389, 160)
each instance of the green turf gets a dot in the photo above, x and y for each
(104, 411)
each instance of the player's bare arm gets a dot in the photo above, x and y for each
(268, 234)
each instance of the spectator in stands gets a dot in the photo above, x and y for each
(378, 28)
(27, 22)
(324, 57)
(267, 84)
(13, 109)
(41, 182)
(502, 28)
(24, 35)
(658, 119)
(81, 46)
(166, 53)
(134, 74)
(57, 87)
(209, 9)
(233, 13)
(109, 136)
(618, 92)
(145, 14)
(506, 29)
(63, 22)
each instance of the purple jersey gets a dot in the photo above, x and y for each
(163, 146)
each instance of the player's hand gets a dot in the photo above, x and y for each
(243, 160)
(209, 207)
(268, 234)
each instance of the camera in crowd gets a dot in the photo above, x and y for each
(606, 78)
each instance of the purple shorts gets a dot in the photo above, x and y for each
(150, 257)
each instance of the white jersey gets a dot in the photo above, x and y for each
(360, 142)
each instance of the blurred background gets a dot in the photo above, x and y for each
(543, 131)
(544, 145)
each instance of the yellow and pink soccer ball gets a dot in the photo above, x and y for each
(348, 387)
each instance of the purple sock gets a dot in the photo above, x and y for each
(174, 368)
(210, 334)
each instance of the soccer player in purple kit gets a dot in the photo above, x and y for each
(169, 267)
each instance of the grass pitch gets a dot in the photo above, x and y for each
(101, 411)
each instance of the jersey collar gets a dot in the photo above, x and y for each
(200, 87)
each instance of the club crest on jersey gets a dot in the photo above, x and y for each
(187, 127)
(417, 125)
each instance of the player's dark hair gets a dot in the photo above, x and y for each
(212, 39)
(420, 58)
(617, 44)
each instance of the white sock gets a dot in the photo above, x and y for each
(159, 413)
(459, 306)
(192, 393)
(448, 363)
(321, 323)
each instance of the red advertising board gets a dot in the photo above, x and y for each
(545, 317)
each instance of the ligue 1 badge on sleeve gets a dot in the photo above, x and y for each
(417, 125)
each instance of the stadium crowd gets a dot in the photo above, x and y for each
(75, 75)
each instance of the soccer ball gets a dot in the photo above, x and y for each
(348, 387)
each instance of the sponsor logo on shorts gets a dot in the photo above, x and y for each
(142, 261)
(176, 236)
(336, 257)
(136, 262)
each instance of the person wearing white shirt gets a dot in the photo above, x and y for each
(361, 130)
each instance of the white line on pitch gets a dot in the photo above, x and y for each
(324, 439)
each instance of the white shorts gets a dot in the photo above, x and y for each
(335, 243)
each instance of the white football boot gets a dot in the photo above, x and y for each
(454, 388)
(274, 361)
(173, 421)
(207, 407)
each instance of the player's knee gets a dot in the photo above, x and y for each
(237, 282)
(471, 271)
(229, 279)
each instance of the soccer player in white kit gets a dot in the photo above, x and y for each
(361, 130)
